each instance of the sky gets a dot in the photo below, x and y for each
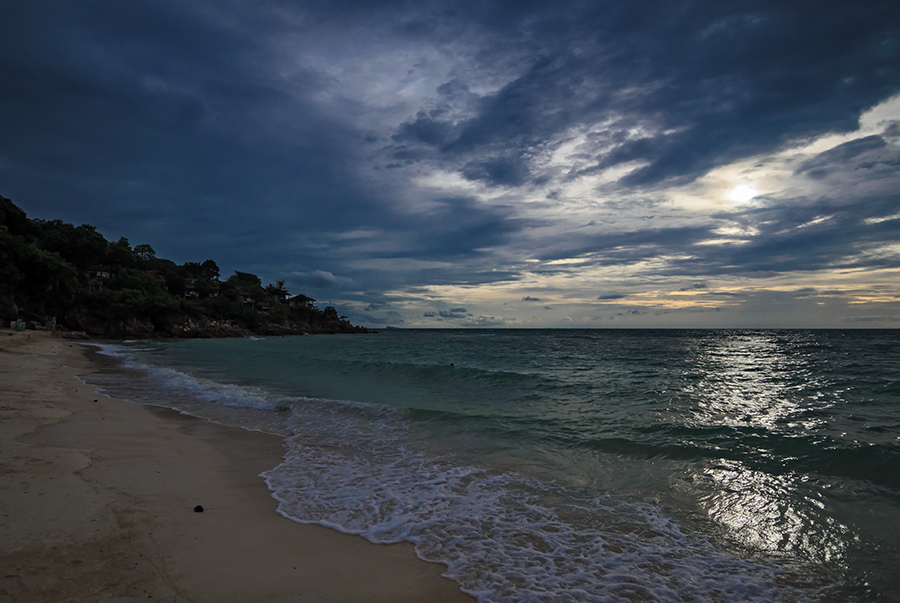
(480, 164)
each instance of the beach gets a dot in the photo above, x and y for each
(543, 465)
(98, 502)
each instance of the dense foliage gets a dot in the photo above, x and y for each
(52, 268)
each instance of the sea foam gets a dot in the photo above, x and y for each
(503, 537)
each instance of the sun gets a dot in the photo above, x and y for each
(742, 193)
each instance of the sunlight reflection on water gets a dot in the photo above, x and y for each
(768, 512)
(748, 381)
(759, 386)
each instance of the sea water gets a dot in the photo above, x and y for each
(576, 465)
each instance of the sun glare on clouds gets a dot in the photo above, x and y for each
(742, 193)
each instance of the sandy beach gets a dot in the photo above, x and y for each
(97, 498)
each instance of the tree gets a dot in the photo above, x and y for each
(144, 252)
(131, 278)
(245, 280)
(175, 284)
(82, 246)
(210, 270)
(13, 251)
(14, 218)
(48, 281)
(121, 254)
(194, 269)
(277, 290)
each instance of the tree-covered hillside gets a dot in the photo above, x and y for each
(54, 269)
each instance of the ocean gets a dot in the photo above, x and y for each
(575, 465)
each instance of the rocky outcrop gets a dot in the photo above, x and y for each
(302, 328)
(207, 329)
(131, 328)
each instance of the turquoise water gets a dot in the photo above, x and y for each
(577, 465)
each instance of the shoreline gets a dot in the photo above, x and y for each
(98, 498)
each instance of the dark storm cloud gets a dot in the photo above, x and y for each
(458, 226)
(892, 131)
(624, 247)
(452, 313)
(169, 124)
(424, 129)
(319, 279)
(161, 106)
(707, 83)
(497, 171)
(220, 129)
(836, 159)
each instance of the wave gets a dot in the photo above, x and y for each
(502, 536)
(194, 387)
(443, 373)
(394, 472)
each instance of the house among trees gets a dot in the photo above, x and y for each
(101, 273)
(298, 300)
(246, 299)
(156, 276)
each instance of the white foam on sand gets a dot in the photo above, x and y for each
(503, 537)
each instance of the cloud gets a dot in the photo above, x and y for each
(528, 298)
(319, 279)
(838, 157)
(497, 171)
(628, 313)
(452, 313)
(484, 321)
(801, 235)
(423, 130)
(711, 86)
(425, 152)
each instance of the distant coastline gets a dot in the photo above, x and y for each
(61, 277)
